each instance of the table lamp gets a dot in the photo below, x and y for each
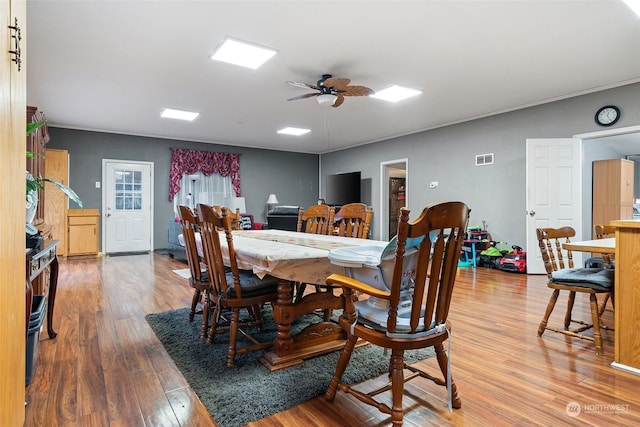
(271, 200)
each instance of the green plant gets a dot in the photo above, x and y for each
(36, 183)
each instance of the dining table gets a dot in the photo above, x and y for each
(296, 257)
(601, 246)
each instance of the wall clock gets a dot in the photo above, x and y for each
(607, 115)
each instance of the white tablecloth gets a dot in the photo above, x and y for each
(289, 255)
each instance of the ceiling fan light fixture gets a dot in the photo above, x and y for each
(326, 98)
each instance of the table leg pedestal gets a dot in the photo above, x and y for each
(316, 339)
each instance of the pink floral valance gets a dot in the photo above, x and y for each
(208, 162)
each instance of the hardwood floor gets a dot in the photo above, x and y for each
(107, 368)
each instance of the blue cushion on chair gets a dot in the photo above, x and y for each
(595, 278)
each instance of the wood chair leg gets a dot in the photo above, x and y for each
(443, 360)
(194, 303)
(397, 386)
(256, 315)
(206, 309)
(233, 337)
(567, 315)
(215, 317)
(604, 303)
(299, 291)
(547, 313)
(595, 316)
(341, 367)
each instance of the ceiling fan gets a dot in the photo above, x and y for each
(331, 90)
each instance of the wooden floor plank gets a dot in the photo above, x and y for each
(106, 367)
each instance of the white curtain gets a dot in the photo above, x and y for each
(198, 188)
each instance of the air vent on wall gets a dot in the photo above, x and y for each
(484, 159)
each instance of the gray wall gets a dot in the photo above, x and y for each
(496, 193)
(293, 177)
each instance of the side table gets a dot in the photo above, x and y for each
(37, 263)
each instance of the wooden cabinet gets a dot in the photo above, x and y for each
(13, 95)
(56, 166)
(612, 191)
(627, 296)
(83, 236)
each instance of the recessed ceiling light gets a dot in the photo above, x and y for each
(242, 53)
(169, 113)
(633, 5)
(294, 131)
(396, 93)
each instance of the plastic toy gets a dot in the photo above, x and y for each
(491, 256)
(514, 261)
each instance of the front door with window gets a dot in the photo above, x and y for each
(127, 206)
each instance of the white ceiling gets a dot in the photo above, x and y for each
(114, 65)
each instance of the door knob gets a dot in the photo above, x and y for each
(532, 213)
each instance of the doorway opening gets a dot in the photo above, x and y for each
(393, 195)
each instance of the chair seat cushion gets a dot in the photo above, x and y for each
(251, 284)
(594, 278)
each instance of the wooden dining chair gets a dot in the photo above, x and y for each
(232, 290)
(316, 219)
(353, 220)
(562, 275)
(426, 286)
(604, 232)
(235, 217)
(199, 279)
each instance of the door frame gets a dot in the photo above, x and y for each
(103, 227)
(385, 167)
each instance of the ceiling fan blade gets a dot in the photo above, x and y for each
(339, 100)
(356, 91)
(336, 82)
(305, 85)
(306, 95)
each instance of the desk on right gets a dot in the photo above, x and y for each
(627, 296)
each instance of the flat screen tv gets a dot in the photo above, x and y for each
(343, 188)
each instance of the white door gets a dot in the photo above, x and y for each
(554, 192)
(127, 206)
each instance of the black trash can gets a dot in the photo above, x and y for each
(36, 318)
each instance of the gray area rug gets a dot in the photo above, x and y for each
(249, 392)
